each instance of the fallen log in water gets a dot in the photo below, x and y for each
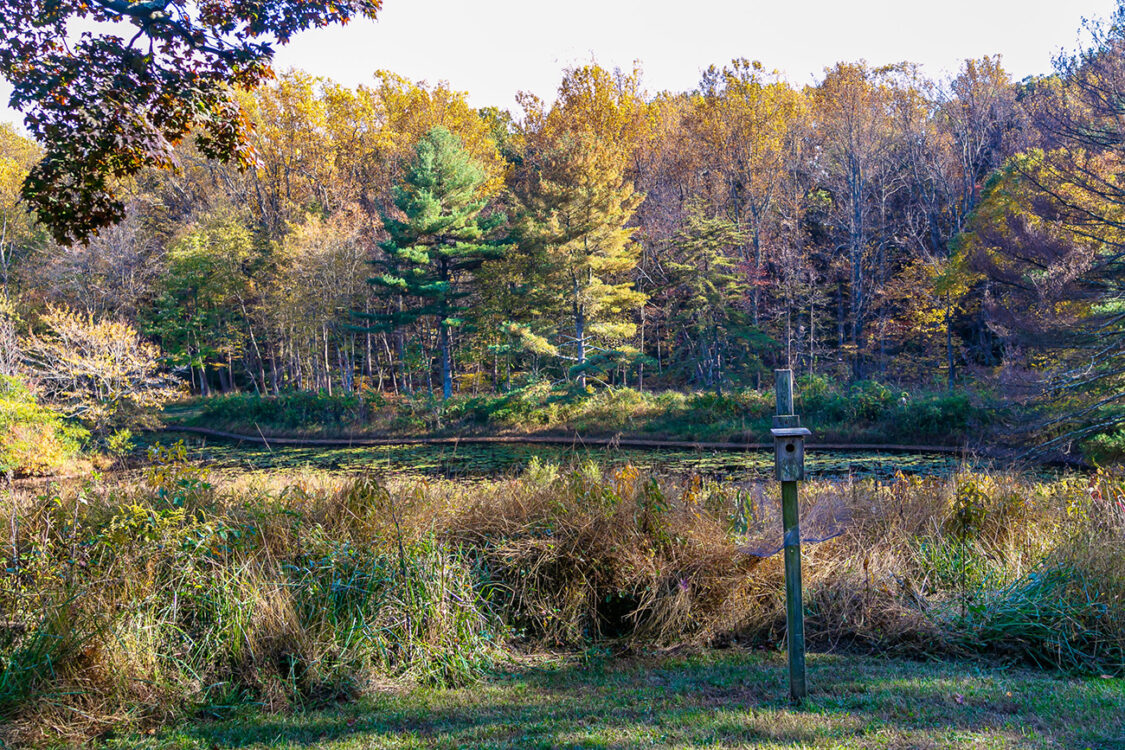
(572, 440)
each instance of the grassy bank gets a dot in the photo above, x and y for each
(714, 699)
(136, 603)
(863, 412)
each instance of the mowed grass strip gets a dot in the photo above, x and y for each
(718, 699)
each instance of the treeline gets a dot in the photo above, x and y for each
(878, 224)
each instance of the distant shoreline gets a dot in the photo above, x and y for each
(557, 439)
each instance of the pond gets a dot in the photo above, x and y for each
(506, 458)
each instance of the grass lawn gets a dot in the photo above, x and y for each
(718, 699)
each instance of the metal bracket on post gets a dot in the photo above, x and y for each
(789, 466)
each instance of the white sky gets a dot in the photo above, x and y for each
(494, 48)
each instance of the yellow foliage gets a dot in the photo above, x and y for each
(595, 109)
(407, 110)
(98, 371)
(34, 449)
(322, 144)
(748, 119)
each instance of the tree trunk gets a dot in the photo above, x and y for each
(274, 376)
(327, 363)
(225, 379)
(952, 374)
(579, 334)
(812, 333)
(391, 363)
(446, 363)
(400, 346)
(857, 242)
(841, 319)
(641, 361)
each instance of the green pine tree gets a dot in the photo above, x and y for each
(436, 242)
(709, 294)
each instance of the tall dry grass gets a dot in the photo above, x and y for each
(128, 603)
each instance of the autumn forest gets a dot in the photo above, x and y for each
(757, 414)
(878, 225)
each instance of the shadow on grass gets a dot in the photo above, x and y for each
(725, 700)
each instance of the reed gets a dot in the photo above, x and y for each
(132, 602)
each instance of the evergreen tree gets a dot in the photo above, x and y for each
(710, 297)
(437, 241)
(576, 217)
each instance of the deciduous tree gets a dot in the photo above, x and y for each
(98, 371)
(106, 104)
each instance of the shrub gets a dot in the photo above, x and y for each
(937, 416)
(864, 412)
(128, 604)
(291, 410)
(579, 556)
(34, 440)
(97, 371)
(1106, 448)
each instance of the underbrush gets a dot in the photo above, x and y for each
(127, 604)
(1106, 448)
(34, 439)
(294, 410)
(861, 412)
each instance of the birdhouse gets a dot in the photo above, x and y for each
(789, 453)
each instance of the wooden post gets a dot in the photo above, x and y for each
(783, 386)
(794, 607)
(790, 468)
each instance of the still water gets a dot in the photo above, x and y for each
(509, 458)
